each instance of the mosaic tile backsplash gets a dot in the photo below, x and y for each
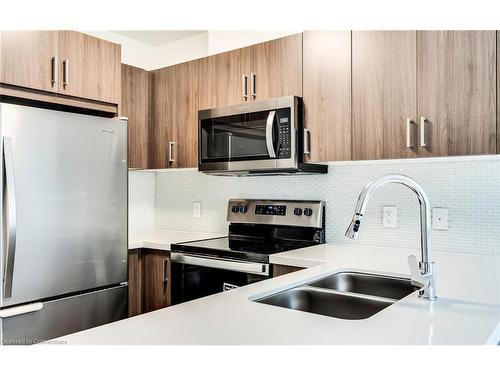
(469, 187)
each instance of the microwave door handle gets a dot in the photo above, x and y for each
(10, 193)
(269, 134)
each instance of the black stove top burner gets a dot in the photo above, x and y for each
(237, 248)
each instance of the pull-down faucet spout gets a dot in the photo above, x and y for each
(423, 272)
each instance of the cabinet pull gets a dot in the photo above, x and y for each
(171, 152)
(55, 70)
(423, 141)
(244, 88)
(307, 141)
(65, 72)
(409, 133)
(252, 85)
(164, 277)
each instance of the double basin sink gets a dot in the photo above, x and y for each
(345, 295)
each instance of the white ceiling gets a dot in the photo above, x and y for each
(158, 37)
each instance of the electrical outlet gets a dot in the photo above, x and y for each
(196, 210)
(390, 217)
(440, 218)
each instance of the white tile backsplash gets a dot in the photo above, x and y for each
(467, 186)
(141, 198)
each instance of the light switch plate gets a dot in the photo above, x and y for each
(390, 217)
(196, 210)
(440, 218)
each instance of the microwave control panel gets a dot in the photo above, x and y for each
(284, 133)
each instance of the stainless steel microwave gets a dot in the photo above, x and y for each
(255, 138)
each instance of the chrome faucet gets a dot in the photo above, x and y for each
(423, 274)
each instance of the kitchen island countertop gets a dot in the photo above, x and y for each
(467, 310)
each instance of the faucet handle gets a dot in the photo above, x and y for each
(417, 278)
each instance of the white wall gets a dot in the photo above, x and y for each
(150, 57)
(469, 187)
(222, 41)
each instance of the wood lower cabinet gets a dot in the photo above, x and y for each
(279, 269)
(27, 59)
(174, 125)
(135, 106)
(149, 280)
(327, 94)
(384, 94)
(457, 92)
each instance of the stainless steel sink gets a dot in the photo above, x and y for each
(364, 283)
(345, 295)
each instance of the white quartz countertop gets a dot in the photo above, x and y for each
(467, 310)
(162, 239)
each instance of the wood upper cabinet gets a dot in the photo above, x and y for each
(221, 81)
(174, 126)
(64, 62)
(327, 94)
(90, 67)
(262, 71)
(384, 94)
(457, 92)
(135, 106)
(276, 68)
(156, 280)
(26, 59)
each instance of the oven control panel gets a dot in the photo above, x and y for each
(293, 213)
(270, 209)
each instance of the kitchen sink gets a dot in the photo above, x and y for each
(344, 295)
(365, 283)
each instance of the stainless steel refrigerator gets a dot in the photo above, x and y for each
(64, 222)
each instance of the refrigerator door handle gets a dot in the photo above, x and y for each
(10, 199)
(19, 310)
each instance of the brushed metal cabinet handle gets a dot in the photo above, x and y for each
(171, 152)
(307, 141)
(252, 85)
(11, 227)
(409, 133)
(55, 70)
(244, 88)
(164, 277)
(423, 141)
(65, 72)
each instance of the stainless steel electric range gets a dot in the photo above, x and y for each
(257, 229)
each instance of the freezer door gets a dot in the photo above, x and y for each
(64, 208)
(64, 316)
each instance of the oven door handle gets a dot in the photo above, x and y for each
(230, 265)
(269, 134)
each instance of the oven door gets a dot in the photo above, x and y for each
(256, 136)
(195, 276)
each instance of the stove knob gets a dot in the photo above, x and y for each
(234, 209)
(297, 211)
(308, 211)
(243, 209)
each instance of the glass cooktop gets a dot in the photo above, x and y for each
(225, 247)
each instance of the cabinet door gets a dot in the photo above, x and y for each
(134, 282)
(135, 106)
(277, 66)
(174, 127)
(220, 79)
(457, 92)
(279, 269)
(26, 59)
(383, 93)
(93, 67)
(327, 94)
(156, 279)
